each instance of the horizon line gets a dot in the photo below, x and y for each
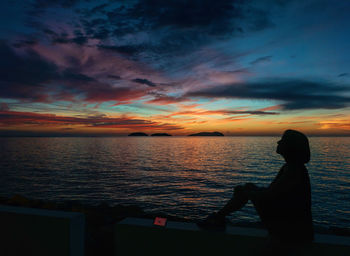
(126, 135)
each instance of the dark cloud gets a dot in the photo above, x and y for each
(161, 99)
(187, 23)
(27, 76)
(4, 106)
(104, 92)
(240, 71)
(63, 38)
(73, 75)
(122, 49)
(295, 94)
(144, 81)
(253, 112)
(223, 112)
(221, 16)
(114, 77)
(48, 31)
(27, 68)
(79, 40)
(261, 60)
(168, 28)
(24, 43)
(171, 25)
(98, 9)
(23, 76)
(19, 118)
(42, 4)
(101, 34)
(215, 16)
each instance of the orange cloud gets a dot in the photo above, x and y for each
(335, 124)
(14, 118)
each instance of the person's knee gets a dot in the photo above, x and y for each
(238, 189)
(239, 192)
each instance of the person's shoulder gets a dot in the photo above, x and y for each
(283, 169)
(293, 170)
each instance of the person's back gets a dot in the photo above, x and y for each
(285, 206)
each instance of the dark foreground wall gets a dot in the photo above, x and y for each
(28, 231)
(140, 237)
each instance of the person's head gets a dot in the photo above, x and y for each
(294, 147)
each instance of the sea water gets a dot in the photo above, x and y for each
(187, 177)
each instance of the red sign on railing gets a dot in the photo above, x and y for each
(158, 221)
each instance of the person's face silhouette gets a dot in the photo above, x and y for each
(294, 147)
(281, 145)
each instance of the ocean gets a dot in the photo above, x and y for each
(187, 177)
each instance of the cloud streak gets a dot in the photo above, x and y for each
(293, 94)
(144, 81)
(261, 60)
(29, 76)
(15, 118)
(156, 26)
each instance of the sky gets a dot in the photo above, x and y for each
(240, 67)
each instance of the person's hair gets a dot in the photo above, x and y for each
(297, 146)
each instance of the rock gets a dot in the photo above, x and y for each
(207, 134)
(161, 134)
(138, 134)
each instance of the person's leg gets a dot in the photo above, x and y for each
(215, 220)
(238, 200)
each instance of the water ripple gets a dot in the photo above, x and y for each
(181, 176)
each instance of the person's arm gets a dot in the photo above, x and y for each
(285, 180)
(227, 209)
(252, 191)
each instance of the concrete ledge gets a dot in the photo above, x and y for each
(28, 231)
(135, 236)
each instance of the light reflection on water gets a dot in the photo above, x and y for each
(184, 176)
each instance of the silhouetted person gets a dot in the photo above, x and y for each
(284, 206)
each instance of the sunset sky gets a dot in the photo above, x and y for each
(74, 67)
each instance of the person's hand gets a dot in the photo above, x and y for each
(250, 189)
(250, 186)
(215, 219)
(239, 191)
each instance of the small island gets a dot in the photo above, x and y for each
(161, 134)
(207, 134)
(138, 134)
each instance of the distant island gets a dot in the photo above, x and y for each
(207, 134)
(166, 134)
(161, 134)
(138, 134)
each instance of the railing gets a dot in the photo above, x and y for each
(28, 231)
(140, 237)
